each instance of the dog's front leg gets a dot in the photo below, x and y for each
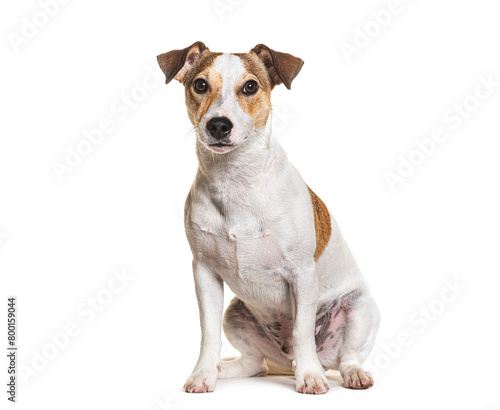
(309, 373)
(210, 295)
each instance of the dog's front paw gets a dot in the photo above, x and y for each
(200, 383)
(313, 382)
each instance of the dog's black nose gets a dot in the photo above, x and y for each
(219, 127)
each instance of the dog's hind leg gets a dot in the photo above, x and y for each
(248, 336)
(244, 366)
(362, 323)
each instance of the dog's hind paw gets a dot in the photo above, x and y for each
(358, 379)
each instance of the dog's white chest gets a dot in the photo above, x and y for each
(242, 247)
(245, 253)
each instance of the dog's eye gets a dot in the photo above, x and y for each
(250, 87)
(200, 86)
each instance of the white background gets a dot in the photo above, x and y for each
(346, 124)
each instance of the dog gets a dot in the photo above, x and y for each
(302, 305)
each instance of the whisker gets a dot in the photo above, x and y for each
(190, 132)
(260, 135)
(262, 138)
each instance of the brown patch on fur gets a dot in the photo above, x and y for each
(198, 104)
(175, 63)
(258, 106)
(254, 65)
(322, 224)
(205, 61)
(282, 67)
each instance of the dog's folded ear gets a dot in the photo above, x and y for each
(176, 63)
(282, 67)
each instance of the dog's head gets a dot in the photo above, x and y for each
(228, 96)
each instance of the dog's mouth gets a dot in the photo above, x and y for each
(221, 147)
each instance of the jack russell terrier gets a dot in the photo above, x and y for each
(301, 303)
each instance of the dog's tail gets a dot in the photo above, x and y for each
(273, 369)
